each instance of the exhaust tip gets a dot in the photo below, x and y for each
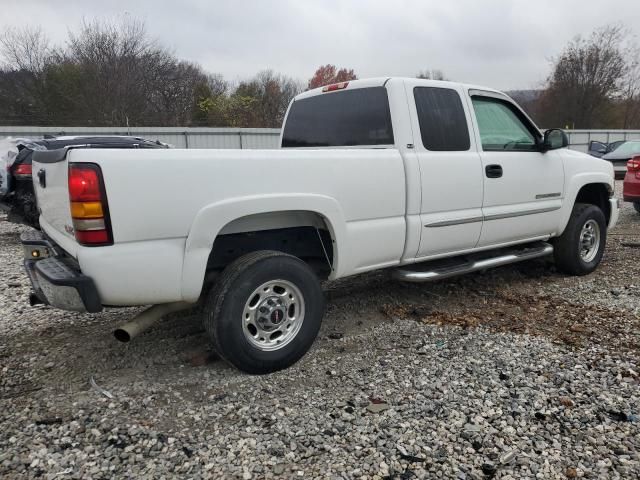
(122, 335)
(145, 320)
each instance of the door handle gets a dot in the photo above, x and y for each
(493, 171)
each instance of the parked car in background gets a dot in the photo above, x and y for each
(598, 149)
(16, 185)
(9, 148)
(621, 155)
(631, 185)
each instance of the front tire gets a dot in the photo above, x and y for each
(636, 205)
(264, 312)
(579, 250)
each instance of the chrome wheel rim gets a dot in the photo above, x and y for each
(589, 240)
(273, 315)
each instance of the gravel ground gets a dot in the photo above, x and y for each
(518, 372)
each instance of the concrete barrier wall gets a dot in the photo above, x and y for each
(178, 137)
(579, 139)
(252, 137)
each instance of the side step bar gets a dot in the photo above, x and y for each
(431, 271)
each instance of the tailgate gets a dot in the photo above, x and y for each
(50, 173)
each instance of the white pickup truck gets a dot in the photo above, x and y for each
(425, 178)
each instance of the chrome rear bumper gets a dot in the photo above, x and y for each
(55, 278)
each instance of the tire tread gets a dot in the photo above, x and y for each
(216, 311)
(215, 299)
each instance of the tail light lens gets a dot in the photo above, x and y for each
(89, 210)
(22, 171)
(633, 165)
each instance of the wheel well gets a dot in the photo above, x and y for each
(596, 194)
(305, 235)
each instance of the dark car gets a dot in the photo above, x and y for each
(598, 149)
(19, 199)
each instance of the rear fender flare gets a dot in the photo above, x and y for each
(212, 219)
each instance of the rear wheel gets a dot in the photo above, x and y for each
(579, 249)
(264, 312)
(636, 205)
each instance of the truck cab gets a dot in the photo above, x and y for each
(478, 172)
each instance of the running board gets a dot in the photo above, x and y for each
(440, 269)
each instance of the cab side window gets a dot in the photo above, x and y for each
(501, 127)
(443, 126)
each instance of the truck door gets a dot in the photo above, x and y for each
(450, 168)
(523, 187)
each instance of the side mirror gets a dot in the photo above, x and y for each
(554, 139)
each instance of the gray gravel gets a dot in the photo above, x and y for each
(516, 373)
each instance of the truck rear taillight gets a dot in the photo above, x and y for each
(22, 171)
(89, 210)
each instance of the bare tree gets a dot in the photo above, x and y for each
(25, 54)
(263, 100)
(630, 89)
(586, 79)
(26, 48)
(119, 64)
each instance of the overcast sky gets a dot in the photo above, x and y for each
(506, 44)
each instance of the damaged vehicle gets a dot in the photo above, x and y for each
(426, 179)
(17, 197)
(16, 188)
(598, 149)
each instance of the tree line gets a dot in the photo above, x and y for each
(594, 83)
(114, 74)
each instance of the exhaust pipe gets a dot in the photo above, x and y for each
(146, 319)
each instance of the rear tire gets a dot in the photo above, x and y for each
(636, 205)
(579, 249)
(264, 311)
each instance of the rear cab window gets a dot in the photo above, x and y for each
(443, 125)
(346, 118)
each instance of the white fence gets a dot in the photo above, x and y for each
(252, 137)
(579, 139)
(176, 136)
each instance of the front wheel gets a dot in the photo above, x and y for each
(636, 205)
(264, 312)
(579, 249)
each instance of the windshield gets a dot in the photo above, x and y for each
(630, 148)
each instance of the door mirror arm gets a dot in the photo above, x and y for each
(542, 146)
